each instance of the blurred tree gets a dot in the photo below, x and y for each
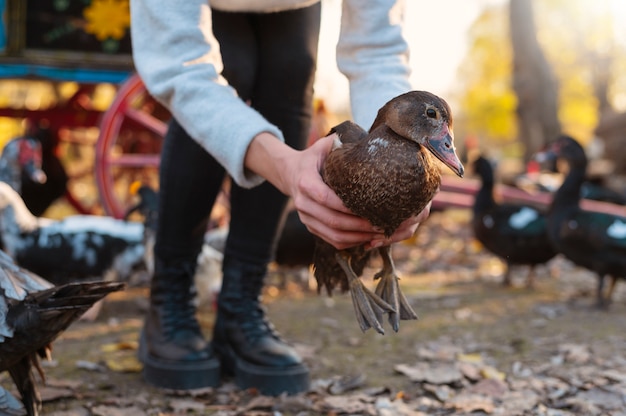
(585, 48)
(533, 81)
(486, 97)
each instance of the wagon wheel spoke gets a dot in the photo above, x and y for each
(129, 143)
(146, 120)
(133, 160)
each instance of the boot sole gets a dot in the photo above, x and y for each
(272, 381)
(179, 375)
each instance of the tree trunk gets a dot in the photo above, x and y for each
(612, 130)
(611, 126)
(533, 82)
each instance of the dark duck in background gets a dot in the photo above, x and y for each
(33, 313)
(386, 176)
(30, 165)
(516, 233)
(21, 160)
(594, 240)
(37, 195)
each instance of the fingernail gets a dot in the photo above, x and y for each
(376, 244)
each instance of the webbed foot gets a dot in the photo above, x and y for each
(368, 306)
(389, 291)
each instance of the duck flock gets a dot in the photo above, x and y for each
(53, 272)
(523, 234)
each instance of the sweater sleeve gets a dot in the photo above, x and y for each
(178, 59)
(373, 54)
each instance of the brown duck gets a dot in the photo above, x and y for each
(387, 176)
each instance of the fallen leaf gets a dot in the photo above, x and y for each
(490, 372)
(348, 404)
(490, 387)
(124, 364)
(470, 358)
(51, 393)
(386, 407)
(186, 405)
(435, 373)
(519, 402)
(470, 371)
(471, 403)
(603, 398)
(120, 346)
(346, 383)
(89, 365)
(575, 353)
(117, 411)
(441, 392)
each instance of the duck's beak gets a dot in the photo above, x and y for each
(34, 173)
(549, 154)
(442, 146)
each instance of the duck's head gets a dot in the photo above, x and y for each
(29, 158)
(564, 147)
(426, 119)
(483, 167)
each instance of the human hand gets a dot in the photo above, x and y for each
(297, 174)
(325, 215)
(404, 231)
(319, 208)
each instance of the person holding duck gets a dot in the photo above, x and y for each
(237, 77)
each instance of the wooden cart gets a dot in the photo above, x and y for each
(86, 44)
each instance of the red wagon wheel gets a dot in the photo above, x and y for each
(129, 145)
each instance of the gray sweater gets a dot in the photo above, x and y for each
(179, 60)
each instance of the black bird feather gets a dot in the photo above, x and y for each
(33, 313)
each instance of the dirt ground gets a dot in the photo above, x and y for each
(478, 347)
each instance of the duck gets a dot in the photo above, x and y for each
(33, 313)
(593, 240)
(38, 195)
(386, 175)
(547, 178)
(515, 232)
(147, 206)
(77, 247)
(21, 160)
(597, 190)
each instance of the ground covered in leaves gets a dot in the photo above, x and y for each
(479, 348)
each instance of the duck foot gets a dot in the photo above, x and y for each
(368, 306)
(389, 291)
(604, 300)
(506, 279)
(530, 278)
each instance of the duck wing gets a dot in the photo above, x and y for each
(349, 132)
(594, 231)
(32, 314)
(516, 220)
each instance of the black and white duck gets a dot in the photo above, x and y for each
(77, 247)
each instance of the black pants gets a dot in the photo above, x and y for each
(270, 60)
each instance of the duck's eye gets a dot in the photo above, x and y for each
(431, 113)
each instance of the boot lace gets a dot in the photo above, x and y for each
(254, 323)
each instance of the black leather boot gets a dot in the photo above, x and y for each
(172, 348)
(247, 344)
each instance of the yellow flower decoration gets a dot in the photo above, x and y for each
(107, 19)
